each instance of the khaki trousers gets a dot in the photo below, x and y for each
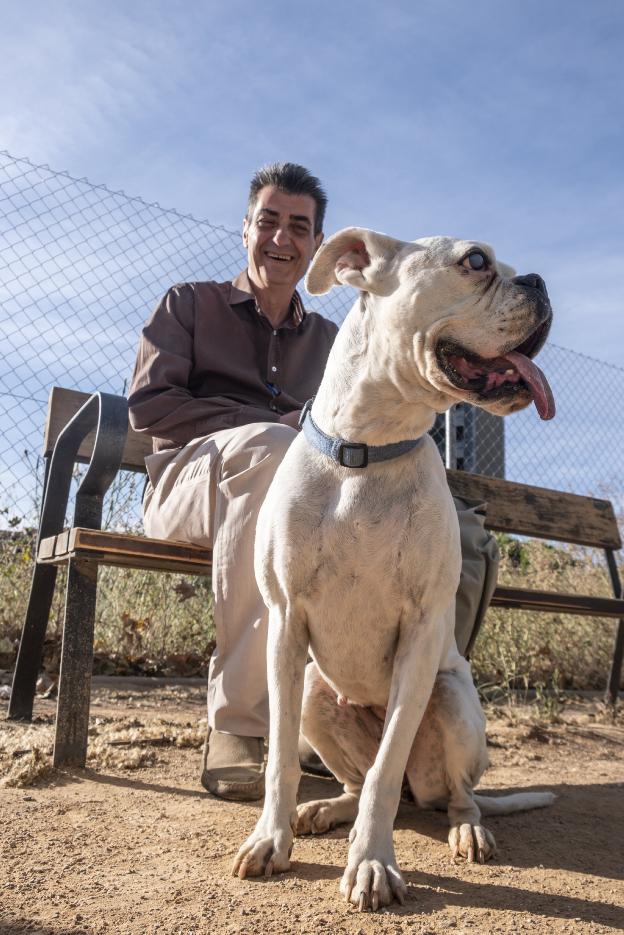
(209, 493)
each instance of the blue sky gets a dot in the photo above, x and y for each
(500, 121)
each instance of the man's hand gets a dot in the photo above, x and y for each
(291, 419)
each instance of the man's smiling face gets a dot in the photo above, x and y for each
(280, 238)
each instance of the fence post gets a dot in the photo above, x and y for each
(450, 439)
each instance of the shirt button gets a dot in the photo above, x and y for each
(274, 369)
(275, 332)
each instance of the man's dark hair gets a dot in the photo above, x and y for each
(291, 179)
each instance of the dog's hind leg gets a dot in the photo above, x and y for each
(448, 758)
(346, 737)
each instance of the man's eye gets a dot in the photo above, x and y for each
(264, 222)
(476, 261)
(300, 230)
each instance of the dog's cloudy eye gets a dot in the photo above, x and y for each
(475, 261)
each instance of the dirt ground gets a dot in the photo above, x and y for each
(132, 845)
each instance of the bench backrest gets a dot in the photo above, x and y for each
(63, 405)
(539, 512)
(514, 508)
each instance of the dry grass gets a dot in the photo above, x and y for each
(518, 649)
(115, 743)
(145, 621)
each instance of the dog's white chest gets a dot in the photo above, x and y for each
(364, 559)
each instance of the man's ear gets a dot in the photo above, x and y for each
(354, 256)
(245, 232)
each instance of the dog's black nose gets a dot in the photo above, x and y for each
(532, 280)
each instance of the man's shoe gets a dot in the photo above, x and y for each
(310, 761)
(233, 767)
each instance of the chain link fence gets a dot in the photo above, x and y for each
(82, 266)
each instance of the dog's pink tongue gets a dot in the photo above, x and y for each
(540, 387)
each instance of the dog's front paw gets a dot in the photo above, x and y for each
(473, 842)
(372, 878)
(263, 854)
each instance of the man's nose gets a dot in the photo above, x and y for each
(281, 236)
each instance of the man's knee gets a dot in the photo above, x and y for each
(275, 436)
(258, 442)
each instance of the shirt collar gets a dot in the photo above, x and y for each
(241, 291)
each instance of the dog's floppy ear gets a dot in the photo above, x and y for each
(505, 270)
(354, 256)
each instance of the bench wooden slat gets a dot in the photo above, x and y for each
(63, 405)
(536, 511)
(558, 602)
(146, 563)
(113, 548)
(139, 546)
(47, 548)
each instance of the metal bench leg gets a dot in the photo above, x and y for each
(31, 643)
(616, 665)
(74, 693)
(613, 685)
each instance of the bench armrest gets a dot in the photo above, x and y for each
(107, 414)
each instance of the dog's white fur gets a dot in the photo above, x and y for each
(360, 567)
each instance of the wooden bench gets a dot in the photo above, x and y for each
(94, 429)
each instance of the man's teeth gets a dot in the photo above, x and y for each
(276, 256)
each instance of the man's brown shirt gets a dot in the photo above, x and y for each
(209, 360)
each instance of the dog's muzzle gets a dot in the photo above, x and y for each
(513, 372)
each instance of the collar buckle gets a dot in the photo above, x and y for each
(353, 455)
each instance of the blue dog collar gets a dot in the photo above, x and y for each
(350, 454)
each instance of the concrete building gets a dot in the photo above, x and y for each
(478, 441)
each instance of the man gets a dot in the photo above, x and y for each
(222, 371)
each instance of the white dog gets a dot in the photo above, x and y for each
(359, 562)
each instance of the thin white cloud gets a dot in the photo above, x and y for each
(78, 79)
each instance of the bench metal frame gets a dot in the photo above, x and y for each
(108, 415)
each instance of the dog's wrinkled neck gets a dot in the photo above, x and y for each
(367, 394)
